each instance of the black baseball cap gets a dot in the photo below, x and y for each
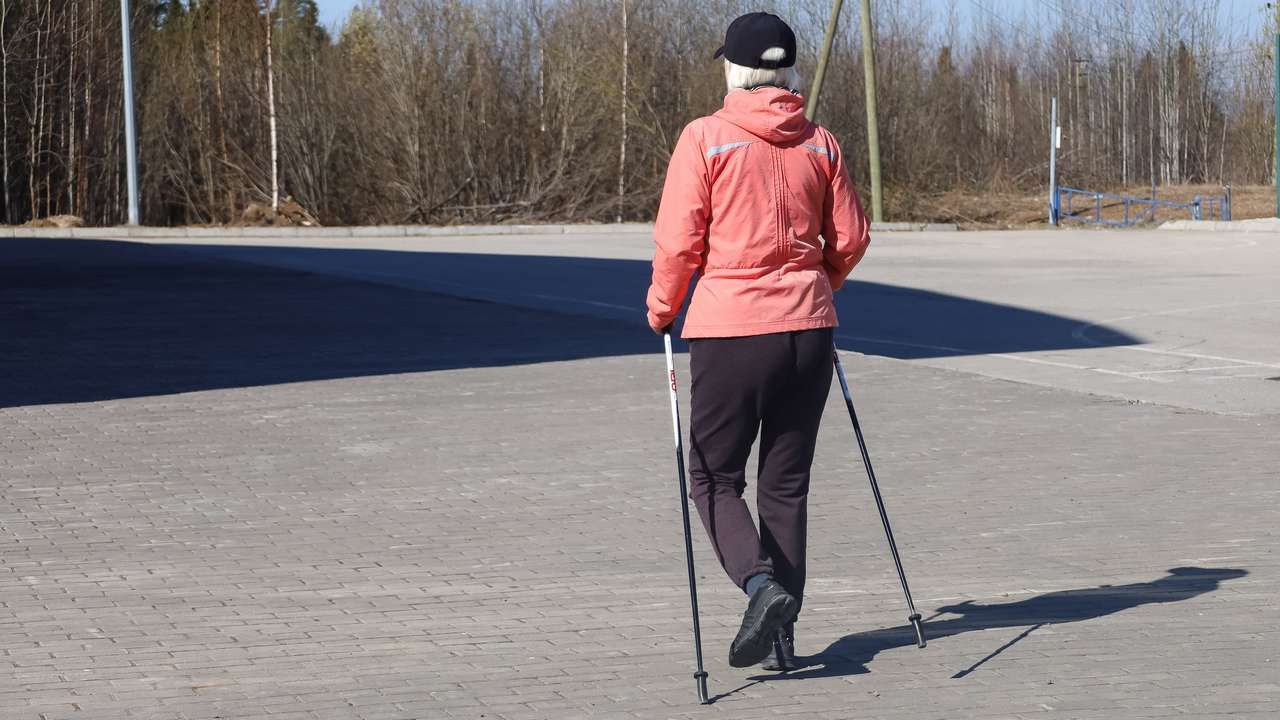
(750, 35)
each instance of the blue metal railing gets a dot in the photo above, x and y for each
(1136, 209)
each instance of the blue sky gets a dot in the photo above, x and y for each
(332, 12)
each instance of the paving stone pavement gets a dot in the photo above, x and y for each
(385, 529)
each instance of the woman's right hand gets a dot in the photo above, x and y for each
(663, 330)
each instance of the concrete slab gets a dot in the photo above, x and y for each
(1263, 225)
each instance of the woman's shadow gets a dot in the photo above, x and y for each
(850, 654)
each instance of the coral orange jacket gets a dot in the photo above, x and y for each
(748, 192)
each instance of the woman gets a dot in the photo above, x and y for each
(748, 192)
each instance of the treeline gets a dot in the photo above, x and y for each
(437, 111)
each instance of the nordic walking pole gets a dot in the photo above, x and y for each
(914, 617)
(701, 675)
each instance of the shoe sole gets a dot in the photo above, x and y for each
(777, 614)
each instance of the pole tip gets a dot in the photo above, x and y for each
(919, 628)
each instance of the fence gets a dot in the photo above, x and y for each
(1136, 209)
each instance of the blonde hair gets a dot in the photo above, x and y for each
(740, 77)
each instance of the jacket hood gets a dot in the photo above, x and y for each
(770, 113)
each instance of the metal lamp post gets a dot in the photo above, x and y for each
(130, 132)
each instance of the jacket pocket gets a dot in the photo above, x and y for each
(806, 185)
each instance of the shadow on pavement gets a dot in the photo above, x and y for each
(850, 654)
(88, 320)
(879, 319)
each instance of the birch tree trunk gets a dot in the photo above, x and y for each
(271, 116)
(71, 116)
(220, 103)
(86, 200)
(4, 107)
(35, 131)
(542, 66)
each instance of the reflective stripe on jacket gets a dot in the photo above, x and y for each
(748, 192)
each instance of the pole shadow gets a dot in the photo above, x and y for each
(851, 654)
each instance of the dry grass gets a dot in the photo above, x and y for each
(1258, 201)
(1000, 210)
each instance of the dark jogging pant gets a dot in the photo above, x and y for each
(775, 385)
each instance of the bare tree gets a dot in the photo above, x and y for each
(486, 110)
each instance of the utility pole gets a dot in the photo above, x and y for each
(869, 64)
(130, 132)
(1276, 57)
(1055, 133)
(873, 133)
(811, 108)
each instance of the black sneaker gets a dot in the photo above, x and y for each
(783, 655)
(769, 609)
